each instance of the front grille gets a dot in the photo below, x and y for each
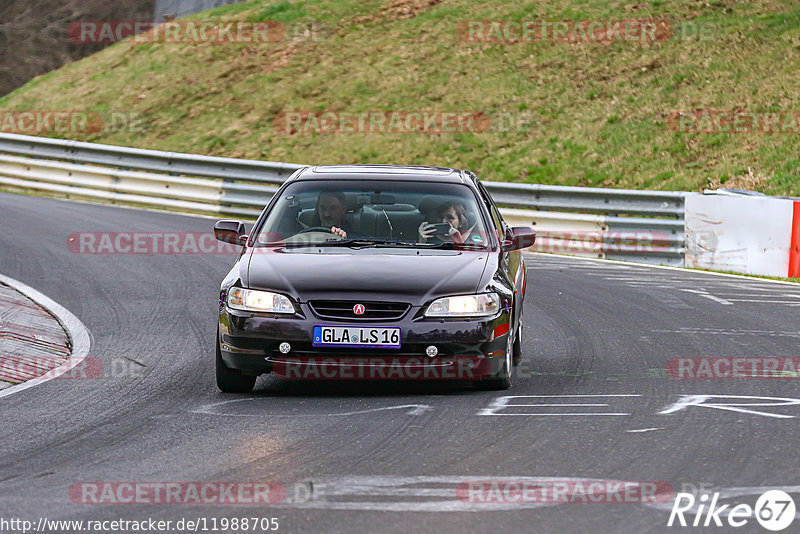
(373, 311)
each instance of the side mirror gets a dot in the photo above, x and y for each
(230, 231)
(519, 237)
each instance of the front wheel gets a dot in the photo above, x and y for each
(518, 344)
(230, 380)
(502, 380)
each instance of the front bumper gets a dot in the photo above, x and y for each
(467, 349)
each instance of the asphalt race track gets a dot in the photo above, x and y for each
(388, 457)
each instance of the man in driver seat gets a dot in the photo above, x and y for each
(330, 212)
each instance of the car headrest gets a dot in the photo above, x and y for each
(351, 199)
(429, 204)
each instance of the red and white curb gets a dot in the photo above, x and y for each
(78, 333)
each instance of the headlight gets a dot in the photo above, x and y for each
(484, 305)
(260, 301)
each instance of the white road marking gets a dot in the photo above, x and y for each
(707, 295)
(576, 395)
(754, 285)
(503, 403)
(623, 278)
(717, 299)
(762, 301)
(79, 335)
(558, 414)
(557, 404)
(699, 401)
(757, 291)
(644, 430)
(209, 409)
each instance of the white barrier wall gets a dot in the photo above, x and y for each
(743, 234)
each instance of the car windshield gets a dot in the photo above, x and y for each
(376, 214)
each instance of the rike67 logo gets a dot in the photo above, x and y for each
(774, 510)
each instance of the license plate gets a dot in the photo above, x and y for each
(356, 336)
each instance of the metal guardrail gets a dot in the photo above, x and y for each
(589, 199)
(181, 8)
(148, 160)
(644, 226)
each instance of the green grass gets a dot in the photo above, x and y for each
(595, 114)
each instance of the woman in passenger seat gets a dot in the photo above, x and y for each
(454, 213)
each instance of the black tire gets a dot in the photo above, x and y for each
(502, 380)
(230, 380)
(518, 344)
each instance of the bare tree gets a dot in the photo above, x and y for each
(34, 33)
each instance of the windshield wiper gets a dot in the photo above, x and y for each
(452, 246)
(353, 243)
(363, 242)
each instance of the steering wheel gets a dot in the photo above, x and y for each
(315, 229)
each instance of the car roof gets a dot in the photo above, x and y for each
(411, 173)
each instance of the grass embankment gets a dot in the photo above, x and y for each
(598, 112)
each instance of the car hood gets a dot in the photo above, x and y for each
(407, 275)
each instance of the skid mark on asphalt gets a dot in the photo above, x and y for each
(476, 493)
(726, 332)
(465, 493)
(223, 409)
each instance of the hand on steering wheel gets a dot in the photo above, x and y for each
(332, 230)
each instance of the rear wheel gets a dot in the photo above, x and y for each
(230, 380)
(502, 380)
